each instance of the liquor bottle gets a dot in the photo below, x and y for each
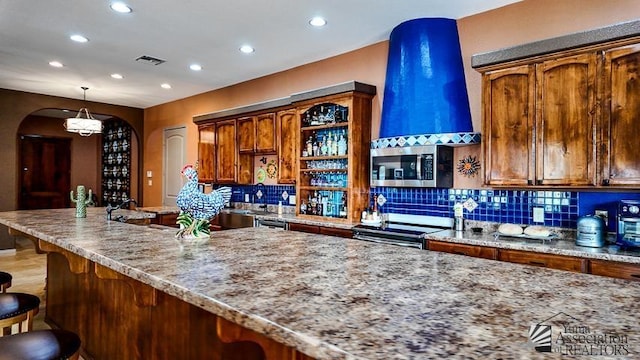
(325, 146)
(329, 141)
(309, 146)
(314, 148)
(303, 208)
(343, 208)
(334, 144)
(342, 146)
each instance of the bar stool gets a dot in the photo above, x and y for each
(5, 281)
(17, 308)
(41, 345)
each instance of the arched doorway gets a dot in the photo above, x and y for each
(52, 162)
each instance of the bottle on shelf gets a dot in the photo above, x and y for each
(310, 146)
(325, 146)
(314, 148)
(342, 146)
(334, 144)
(329, 143)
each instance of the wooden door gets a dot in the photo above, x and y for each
(621, 114)
(206, 153)
(287, 125)
(266, 133)
(226, 151)
(45, 176)
(565, 126)
(174, 159)
(246, 134)
(508, 125)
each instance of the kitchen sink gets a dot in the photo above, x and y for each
(235, 219)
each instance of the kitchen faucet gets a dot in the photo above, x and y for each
(126, 203)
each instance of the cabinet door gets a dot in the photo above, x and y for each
(206, 153)
(462, 249)
(246, 134)
(508, 124)
(266, 133)
(550, 261)
(615, 269)
(565, 127)
(287, 138)
(621, 116)
(345, 233)
(313, 229)
(226, 151)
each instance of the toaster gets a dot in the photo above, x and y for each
(591, 230)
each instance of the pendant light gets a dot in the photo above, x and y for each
(84, 124)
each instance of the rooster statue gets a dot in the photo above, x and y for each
(196, 207)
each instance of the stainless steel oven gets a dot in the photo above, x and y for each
(403, 230)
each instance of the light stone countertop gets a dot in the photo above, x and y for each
(336, 298)
(565, 247)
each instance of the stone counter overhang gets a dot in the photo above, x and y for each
(336, 298)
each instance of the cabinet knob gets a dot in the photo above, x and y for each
(529, 182)
(605, 182)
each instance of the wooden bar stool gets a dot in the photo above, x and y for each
(40, 345)
(17, 308)
(5, 281)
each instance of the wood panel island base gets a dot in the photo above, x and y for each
(134, 292)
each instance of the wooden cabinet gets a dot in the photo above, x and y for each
(508, 125)
(287, 135)
(315, 229)
(621, 163)
(246, 134)
(226, 151)
(265, 133)
(551, 261)
(539, 123)
(565, 126)
(334, 182)
(463, 249)
(206, 153)
(615, 269)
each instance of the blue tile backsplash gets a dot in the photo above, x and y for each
(561, 208)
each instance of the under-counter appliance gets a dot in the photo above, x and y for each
(272, 224)
(413, 166)
(591, 231)
(628, 223)
(403, 230)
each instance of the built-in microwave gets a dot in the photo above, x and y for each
(415, 166)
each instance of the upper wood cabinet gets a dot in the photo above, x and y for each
(621, 116)
(565, 112)
(287, 135)
(206, 153)
(226, 151)
(508, 125)
(567, 121)
(246, 134)
(265, 133)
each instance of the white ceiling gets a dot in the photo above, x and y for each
(208, 32)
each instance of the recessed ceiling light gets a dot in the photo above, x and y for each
(117, 76)
(195, 67)
(120, 7)
(318, 21)
(247, 49)
(78, 38)
(56, 64)
(165, 86)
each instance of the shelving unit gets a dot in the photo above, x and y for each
(333, 150)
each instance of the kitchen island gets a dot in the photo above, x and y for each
(315, 296)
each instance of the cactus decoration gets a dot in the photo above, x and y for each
(82, 201)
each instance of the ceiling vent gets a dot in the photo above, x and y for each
(149, 60)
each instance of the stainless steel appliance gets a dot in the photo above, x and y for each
(403, 230)
(414, 166)
(273, 224)
(628, 223)
(591, 231)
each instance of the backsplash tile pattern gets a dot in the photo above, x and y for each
(274, 193)
(561, 208)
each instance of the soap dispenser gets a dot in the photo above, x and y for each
(457, 217)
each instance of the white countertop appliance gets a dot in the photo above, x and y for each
(591, 231)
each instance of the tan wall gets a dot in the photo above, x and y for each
(519, 23)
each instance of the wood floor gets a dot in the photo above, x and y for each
(29, 272)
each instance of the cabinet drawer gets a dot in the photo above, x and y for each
(544, 260)
(304, 228)
(345, 233)
(615, 269)
(462, 249)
